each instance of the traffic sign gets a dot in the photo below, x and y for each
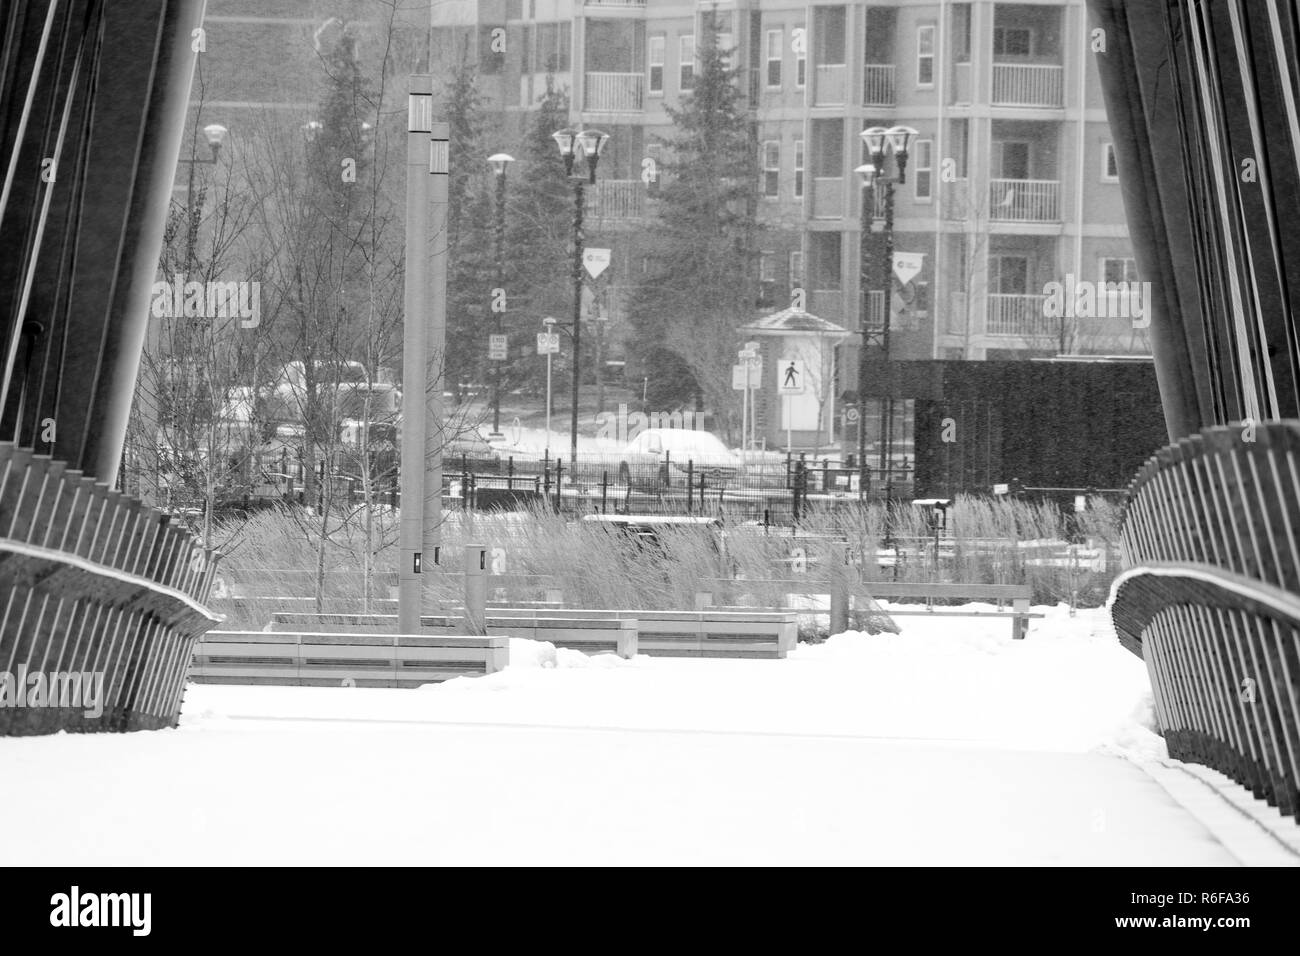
(739, 380)
(789, 379)
(498, 348)
(548, 343)
(596, 261)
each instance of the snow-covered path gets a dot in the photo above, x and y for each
(944, 745)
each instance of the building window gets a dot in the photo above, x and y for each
(1119, 270)
(1013, 41)
(771, 169)
(686, 62)
(767, 266)
(796, 270)
(775, 39)
(799, 43)
(923, 178)
(798, 169)
(655, 59)
(1109, 169)
(925, 55)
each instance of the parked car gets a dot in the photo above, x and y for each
(468, 449)
(662, 458)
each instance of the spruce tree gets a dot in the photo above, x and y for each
(702, 280)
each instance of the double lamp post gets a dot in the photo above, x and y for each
(875, 336)
(586, 145)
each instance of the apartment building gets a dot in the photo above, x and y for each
(1010, 183)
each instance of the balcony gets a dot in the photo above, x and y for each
(1020, 316)
(613, 92)
(1024, 200)
(1028, 84)
(878, 84)
(827, 197)
(616, 199)
(830, 85)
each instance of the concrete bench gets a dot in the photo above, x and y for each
(745, 632)
(591, 634)
(330, 659)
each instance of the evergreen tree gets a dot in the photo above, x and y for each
(539, 233)
(471, 274)
(703, 246)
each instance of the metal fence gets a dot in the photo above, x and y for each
(1211, 601)
(96, 587)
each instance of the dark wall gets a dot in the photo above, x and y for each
(1048, 424)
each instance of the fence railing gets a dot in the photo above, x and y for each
(96, 587)
(1211, 601)
(616, 199)
(878, 84)
(1025, 200)
(1028, 84)
(613, 92)
(1019, 315)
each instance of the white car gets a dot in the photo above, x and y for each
(663, 457)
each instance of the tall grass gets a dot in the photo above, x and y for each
(989, 541)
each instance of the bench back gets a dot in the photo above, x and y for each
(325, 658)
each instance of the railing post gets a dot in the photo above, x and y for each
(840, 580)
(559, 481)
(690, 483)
(604, 489)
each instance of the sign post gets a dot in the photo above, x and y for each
(548, 343)
(790, 381)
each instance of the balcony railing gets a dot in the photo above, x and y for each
(830, 85)
(1028, 84)
(878, 84)
(616, 199)
(828, 197)
(614, 92)
(1024, 200)
(1020, 316)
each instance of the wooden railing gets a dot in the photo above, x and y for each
(1211, 601)
(878, 84)
(616, 199)
(613, 92)
(1025, 200)
(1019, 315)
(1028, 84)
(96, 586)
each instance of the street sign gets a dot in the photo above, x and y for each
(548, 343)
(596, 261)
(746, 372)
(738, 377)
(850, 416)
(497, 347)
(789, 378)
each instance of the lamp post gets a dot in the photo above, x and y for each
(878, 141)
(499, 163)
(550, 325)
(590, 143)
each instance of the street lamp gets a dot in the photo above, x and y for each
(550, 327)
(879, 141)
(499, 161)
(589, 144)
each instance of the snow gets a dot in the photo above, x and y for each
(946, 744)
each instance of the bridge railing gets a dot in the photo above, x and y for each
(1211, 601)
(96, 587)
